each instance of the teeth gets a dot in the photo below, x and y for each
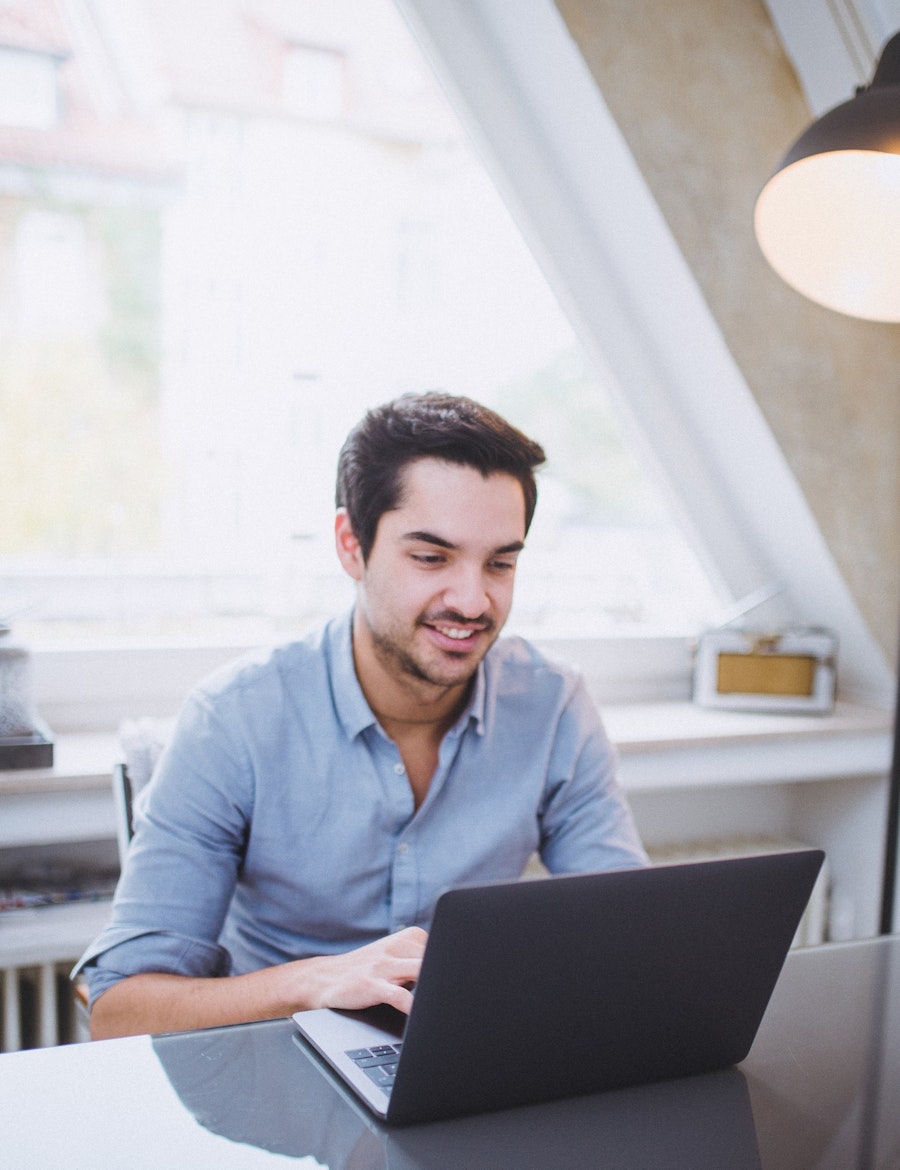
(453, 632)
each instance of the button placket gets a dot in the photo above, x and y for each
(404, 884)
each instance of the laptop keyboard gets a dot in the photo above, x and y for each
(379, 1063)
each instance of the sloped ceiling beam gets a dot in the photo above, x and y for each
(519, 82)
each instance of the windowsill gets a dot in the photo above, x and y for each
(81, 760)
(634, 726)
(679, 745)
(661, 745)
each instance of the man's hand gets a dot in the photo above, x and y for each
(381, 972)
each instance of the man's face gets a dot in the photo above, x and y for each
(438, 585)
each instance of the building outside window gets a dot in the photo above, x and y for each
(29, 94)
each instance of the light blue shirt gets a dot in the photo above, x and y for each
(280, 823)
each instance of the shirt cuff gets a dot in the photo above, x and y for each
(153, 951)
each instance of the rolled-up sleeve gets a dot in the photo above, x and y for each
(153, 951)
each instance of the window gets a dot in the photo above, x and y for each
(211, 351)
(79, 448)
(52, 293)
(314, 81)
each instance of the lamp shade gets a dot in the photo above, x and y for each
(828, 220)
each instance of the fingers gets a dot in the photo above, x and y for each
(398, 997)
(411, 940)
(380, 972)
(396, 962)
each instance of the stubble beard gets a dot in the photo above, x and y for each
(395, 658)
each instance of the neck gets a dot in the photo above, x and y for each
(411, 704)
(401, 699)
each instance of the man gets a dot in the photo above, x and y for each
(314, 802)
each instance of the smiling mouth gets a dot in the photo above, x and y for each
(458, 631)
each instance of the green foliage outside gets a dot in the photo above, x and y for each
(80, 458)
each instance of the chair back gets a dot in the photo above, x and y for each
(123, 799)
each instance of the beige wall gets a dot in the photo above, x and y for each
(708, 104)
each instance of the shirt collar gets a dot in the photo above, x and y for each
(354, 712)
(475, 708)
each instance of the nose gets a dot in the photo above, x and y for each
(466, 593)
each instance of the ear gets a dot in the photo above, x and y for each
(348, 547)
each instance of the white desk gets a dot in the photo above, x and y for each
(819, 1091)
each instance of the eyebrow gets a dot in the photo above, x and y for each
(431, 538)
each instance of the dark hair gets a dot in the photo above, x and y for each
(416, 426)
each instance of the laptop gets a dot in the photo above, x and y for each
(531, 991)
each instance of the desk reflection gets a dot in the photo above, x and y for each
(259, 1085)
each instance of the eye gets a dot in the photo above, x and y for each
(428, 558)
(502, 566)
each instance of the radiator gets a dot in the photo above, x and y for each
(38, 948)
(39, 1008)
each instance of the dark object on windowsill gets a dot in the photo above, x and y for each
(25, 740)
(26, 751)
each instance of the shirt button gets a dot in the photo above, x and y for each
(399, 769)
(403, 847)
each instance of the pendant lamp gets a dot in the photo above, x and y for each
(828, 220)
